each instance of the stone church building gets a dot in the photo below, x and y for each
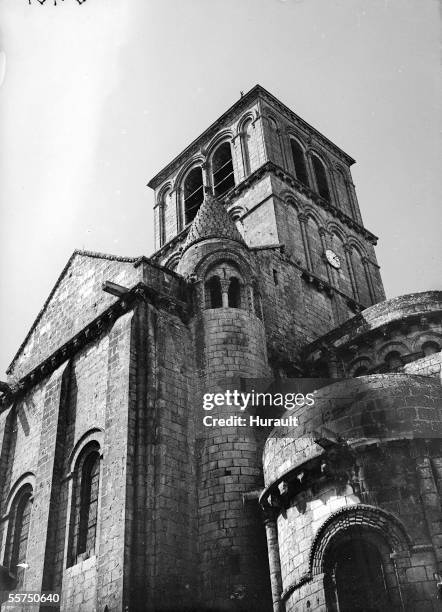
(114, 494)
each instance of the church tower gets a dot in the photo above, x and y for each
(123, 486)
(229, 340)
(290, 192)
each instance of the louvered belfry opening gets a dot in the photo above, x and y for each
(222, 168)
(299, 162)
(321, 178)
(193, 193)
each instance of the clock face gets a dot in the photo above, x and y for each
(333, 259)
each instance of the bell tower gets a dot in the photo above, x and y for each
(290, 193)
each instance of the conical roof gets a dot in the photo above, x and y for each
(212, 221)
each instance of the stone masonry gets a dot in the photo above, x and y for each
(115, 495)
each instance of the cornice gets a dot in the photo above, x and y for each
(270, 167)
(239, 106)
(355, 327)
(320, 201)
(91, 254)
(309, 129)
(94, 330)
(205, 137)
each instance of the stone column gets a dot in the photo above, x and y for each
(310, 172)
(225, 292)
(274, 560)
(334, 194)
(332, 361)
(176, 194)
(303, 219)
(207, 183)
(366, 264)
(430, 497)
(322, 233)
(348, 259)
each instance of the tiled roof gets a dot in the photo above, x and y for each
(212, 221)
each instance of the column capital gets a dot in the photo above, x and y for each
(303, 218)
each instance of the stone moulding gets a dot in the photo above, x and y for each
(92, 331)
(361, 515)
(361, 328)
(241, 105)
(391, 528)
(272, 168)
(307, 577)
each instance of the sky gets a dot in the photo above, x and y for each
(97, 97)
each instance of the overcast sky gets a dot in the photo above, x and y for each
(97, 97)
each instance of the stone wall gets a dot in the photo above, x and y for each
(391, 336)
(361, 459)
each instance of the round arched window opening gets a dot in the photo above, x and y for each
(222, 169)
(321, 178)
(193, 193)
(234, 293)
(18, 531)
(214, 297)
(355, 579)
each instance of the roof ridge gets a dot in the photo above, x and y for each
(55, 287)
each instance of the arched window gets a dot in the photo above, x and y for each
(234, 293)
(344, 197)
(214, 298)
(430, 348)
(274, 142)
(222, 169)
(18, 531)
(393, 360)
(193, 193)
(84, 513)
(355, 578)
(299, 162)
(321, 178)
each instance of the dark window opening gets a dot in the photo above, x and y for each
(299, 162)
(193, 193)
(393, 360)
(84, 515)
(321, 178)
(275, 277)
(234, 293)
(89, 504)
(222, 167)
(17, 542)
(357, 578)
(213, 291)
(430, 348)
